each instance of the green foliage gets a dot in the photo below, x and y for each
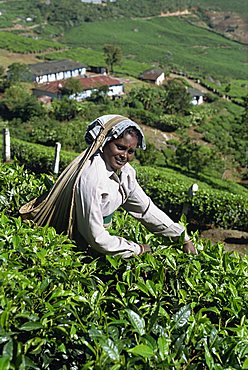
(171, 99)
(149, 157)
(37, 157)
(167, 309)
(18, 72)
(178, 100)
(196, 157)
(113, 55)
(211, 206)
(71, 86)
(224, 205)
(18, 186)
(227, 129)
(214, 54)
(65, 109)
(21, 44)
(17, 102)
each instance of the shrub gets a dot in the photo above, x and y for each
(166, 310)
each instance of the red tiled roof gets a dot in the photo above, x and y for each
(87, 83)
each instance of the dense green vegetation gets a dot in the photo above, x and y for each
(165, 44)
(63, 310)
(56, 11)
(60, 308)
(21, 44)
(220, 124)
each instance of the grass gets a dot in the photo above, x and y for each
(238, 6)
(168, 41)
(95, 58)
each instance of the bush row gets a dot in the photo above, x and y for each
(208, 207)
(168, 310)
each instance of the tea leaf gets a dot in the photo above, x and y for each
(137, 321)
(141, 350)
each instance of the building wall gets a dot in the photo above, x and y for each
(197, 100)
(113, 91)
(160, 79)
(60, 75)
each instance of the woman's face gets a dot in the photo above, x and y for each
(118, 152)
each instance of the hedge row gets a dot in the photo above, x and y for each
(165, 310)
(208, 207)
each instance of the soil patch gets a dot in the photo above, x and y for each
(233, 240)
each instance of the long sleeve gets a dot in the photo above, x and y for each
(140, 206)
(98, 196)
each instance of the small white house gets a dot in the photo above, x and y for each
(196, 96)
(155, 76)
(56, 70)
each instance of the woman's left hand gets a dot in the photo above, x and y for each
(189, 247)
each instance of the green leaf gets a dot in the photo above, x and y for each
(8, 349)
(137, 321)
(4, 362)
(245, 364)
(142, 286)
(141, 350)
(114, 261)
(151, 286)
(110, 348)
(163, 346)
(88, 365)
(209, 358)
(29, 326)
(181, 317)
(115, 367)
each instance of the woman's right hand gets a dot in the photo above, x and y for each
(144, 248)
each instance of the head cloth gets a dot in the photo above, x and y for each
(95, 127)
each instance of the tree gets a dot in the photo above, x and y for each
(71, 86)
(100, 95)
(2, 79)
(177, 99)
(65, 109)
(18, 72)
(150, 156)
(1, 72)
(195, 157)
(113, 55)
(149, 96)
(18, 103)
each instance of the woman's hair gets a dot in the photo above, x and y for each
(132, 131)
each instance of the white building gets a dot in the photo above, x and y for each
(56, 70)
(115, 88)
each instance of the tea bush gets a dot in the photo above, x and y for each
(165, 310)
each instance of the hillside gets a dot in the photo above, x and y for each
(60, 307)
(225, 17)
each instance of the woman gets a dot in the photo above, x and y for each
(99, 183)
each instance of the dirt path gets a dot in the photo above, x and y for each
(233, 240)
(193, 84)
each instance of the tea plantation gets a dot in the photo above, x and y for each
(61, 309)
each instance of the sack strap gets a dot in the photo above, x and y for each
(93, 149)
(57, 209)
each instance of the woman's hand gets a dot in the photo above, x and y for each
(144, 248)
(189, 247)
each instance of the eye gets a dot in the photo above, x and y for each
(131, 151)
(120, 147)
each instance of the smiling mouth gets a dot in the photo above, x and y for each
(120, 162)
